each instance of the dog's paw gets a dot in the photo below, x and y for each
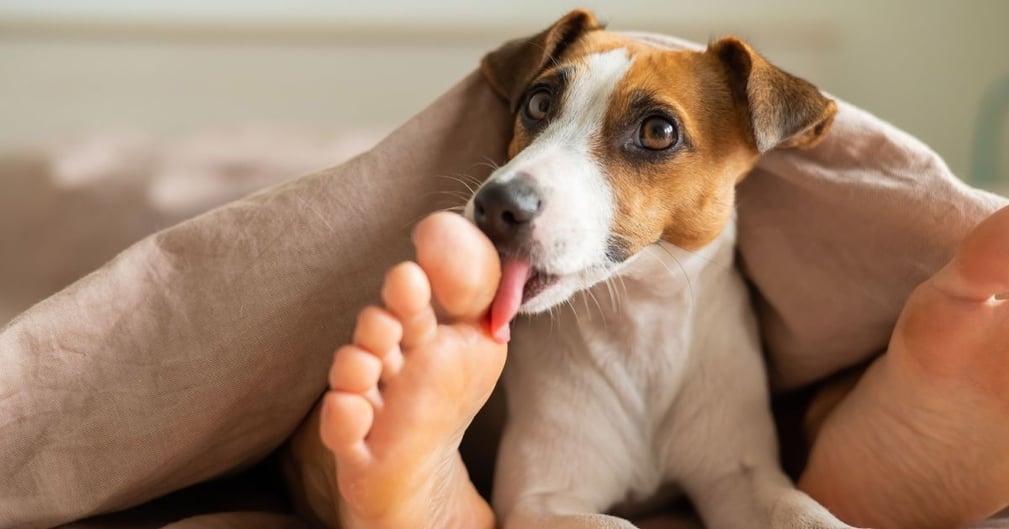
(798, 511)
(567, 521)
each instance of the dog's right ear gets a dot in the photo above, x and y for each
(510, 68)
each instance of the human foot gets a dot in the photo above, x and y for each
(403, 394)
(920, 441)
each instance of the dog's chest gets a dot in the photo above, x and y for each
(621, 353)
(636, 336)
(639, 337)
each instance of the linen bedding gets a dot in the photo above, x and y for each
(197, 351)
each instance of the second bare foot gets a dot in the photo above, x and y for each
(920, 441)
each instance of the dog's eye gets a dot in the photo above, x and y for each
(538, 104)
(657, 133)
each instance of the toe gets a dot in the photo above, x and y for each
(377, 331)
(346, 420)
(978, 271)
(354, 370)
(407, 294)
(462, 264)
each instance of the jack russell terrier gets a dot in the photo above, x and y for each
(615, 213)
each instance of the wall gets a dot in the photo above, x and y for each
(169, 67)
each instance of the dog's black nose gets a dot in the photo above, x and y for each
(504, 211)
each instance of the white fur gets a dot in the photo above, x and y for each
(652, 377)
(579, 202)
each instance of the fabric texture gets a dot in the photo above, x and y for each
(835, 238)
(199, 350)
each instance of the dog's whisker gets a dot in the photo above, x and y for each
(453, 209)
(612, 293)
(622, 293)
(471, 182)
(599, 307)
(574, 311)
(623, 285)
(454, 194)
(465, 176)
(454, 198)
(621, 290)
(475, 181)
(489, 163)
(585, 302)
(692, 253)
(459, 178)
(686, 275)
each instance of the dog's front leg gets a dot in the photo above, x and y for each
(529, 519)
(554, 481)
(563, 459)
(727, 459)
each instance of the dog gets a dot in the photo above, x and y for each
(615, 214)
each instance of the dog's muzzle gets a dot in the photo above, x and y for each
(505, 211)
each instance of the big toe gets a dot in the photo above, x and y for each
(979, 271)
(461, 264)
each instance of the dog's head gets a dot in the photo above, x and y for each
(619, 144)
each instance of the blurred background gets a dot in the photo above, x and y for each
(126, 116)
(934, 68)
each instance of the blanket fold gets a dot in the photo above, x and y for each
(199, 349)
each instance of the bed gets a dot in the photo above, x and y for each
(178, 338)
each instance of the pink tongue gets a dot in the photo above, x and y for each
(514, 274)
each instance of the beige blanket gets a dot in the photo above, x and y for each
(199, 349)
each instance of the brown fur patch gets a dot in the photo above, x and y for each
(685, 195)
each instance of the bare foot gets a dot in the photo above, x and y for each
(921, 440)
(403, 394)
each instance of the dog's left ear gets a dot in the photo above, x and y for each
(785, 111)
(510, 68)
